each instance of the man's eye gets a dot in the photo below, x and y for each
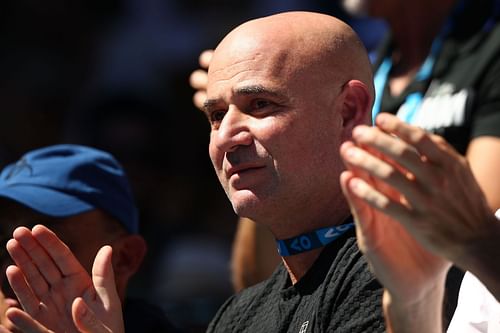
(260, 103)
(217, 116)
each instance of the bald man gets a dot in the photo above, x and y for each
(278, 116)
(284, 92)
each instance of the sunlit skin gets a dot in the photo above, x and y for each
(278, 116)
(262, 104)
(74, 231)
(281, 93)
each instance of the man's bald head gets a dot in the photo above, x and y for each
(298, 41)
(283, 93)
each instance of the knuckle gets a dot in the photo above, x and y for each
(370, 134)
(406, 152)
(389, 174)
(419, 137)
(439, 140)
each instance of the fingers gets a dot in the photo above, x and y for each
(431, 146)
(199, 79)
(26, 265)
(3, 329)
(386, 144)
(360, 211)
(358, 208)
(42, 257)
(25, 323)
(395, 151)
(42, 260)
(59, 253)
(85, 319)
(199, 99)
(37, 255)
(205, 58)
(365, 192)
(28, 300)
(359, 159)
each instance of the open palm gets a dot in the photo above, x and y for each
(47, 280)
(401, 264)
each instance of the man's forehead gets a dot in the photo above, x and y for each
(228, 66)
(257, 69)
(248, 51)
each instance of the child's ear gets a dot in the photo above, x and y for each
(128, 254)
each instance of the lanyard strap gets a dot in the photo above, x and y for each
(312, 240)
(414, 100)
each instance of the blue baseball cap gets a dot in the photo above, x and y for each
(66, 180)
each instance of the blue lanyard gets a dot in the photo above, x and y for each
(312, 240)
(414, 100)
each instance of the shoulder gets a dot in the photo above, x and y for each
(352, 295)
(241, 305)
(349, 272)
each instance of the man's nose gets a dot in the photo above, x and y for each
(234, 130)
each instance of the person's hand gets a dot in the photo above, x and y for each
(437, 199)
(5, 304)
(374, 185)
(395, 257)
(199, 78)
(378, 167)
(443, 206)
(55, 291)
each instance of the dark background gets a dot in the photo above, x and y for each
(113, 74)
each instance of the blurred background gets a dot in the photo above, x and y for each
(113, 74)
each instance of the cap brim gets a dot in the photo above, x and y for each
(45, 200)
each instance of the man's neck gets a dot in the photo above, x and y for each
(298, 265)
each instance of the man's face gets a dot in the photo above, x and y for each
(275, 130)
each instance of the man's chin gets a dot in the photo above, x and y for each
(247, 208)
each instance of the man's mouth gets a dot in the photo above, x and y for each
(241, 169)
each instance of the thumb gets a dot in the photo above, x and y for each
(85, 319)
(103, 278)
(106, 306)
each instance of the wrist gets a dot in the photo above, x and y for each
(423, 313)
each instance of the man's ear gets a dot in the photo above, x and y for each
(356, 107)
(128, 253)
